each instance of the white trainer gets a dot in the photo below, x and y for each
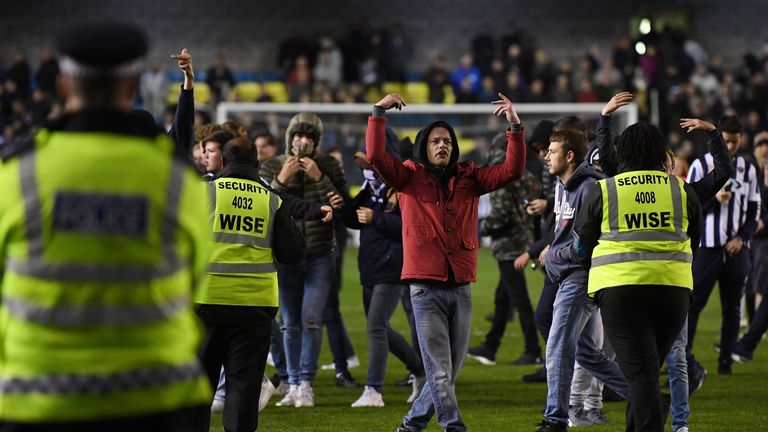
(290, 398)
(418, 384)
(352, 362)
(682, 429)
(282, 388)
(306, 396)
(217, 407)
(369, 398)
(270, 360)
(267, 390)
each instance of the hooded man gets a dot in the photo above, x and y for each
(438, 201)
(312, 176)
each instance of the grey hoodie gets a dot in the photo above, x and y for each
(568, 200)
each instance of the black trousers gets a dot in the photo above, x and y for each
(757, 329)
(238, 339)
(182, 420)
(545, 308)
(512, 294)
(713, 265)
(642, 322)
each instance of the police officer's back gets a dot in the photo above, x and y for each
(103, 236)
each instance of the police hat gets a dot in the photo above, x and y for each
(101, 49)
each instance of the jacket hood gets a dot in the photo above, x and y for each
(583, 172)
(306, 123)
(420, 147)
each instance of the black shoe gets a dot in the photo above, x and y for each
(547, 426)
(405, 382)
(540, 376)
(482, 354)
(345, 380)
(275, 380)
(724, 367)
(740, 356)
(611, 396)
(402, 428)
(527, 359)
(696, 375)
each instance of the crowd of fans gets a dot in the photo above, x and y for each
(674, 72)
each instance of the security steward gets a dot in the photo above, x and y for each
(103, 238)
(237, 304)
(637, 232)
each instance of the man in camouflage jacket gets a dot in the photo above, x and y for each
(511, 232)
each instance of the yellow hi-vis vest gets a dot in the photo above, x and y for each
(643, 238)
(242, 268)
(103, 237)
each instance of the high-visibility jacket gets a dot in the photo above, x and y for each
(242, 268)
(643, 235)
(103, 238)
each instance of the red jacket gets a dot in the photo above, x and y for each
(440, 227)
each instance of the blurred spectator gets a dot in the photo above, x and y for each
(514, 87)
(649, 63)
(39, 107)
(562, 91)
(19, 73)
(466, 92)
(483, 49)
(47, 73)
(293, 47)
(466, 72)
(398, 55)
(538, 93)
(436, 78)
(154, 89)
(371, 68)
(299, 80)
(608, 80)
(586, 92)
(328, 68)
(543, 69)
(704, 80)
(353, 47)
(220, 78)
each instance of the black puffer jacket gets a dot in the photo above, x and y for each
(318, 236)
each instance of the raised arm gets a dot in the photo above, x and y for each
(604, 139)
(182, 129)
(495, 176)
(707, 185)
(390, 169)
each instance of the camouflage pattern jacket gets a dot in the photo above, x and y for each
(508, 224)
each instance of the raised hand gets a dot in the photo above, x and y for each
(506, 107)
(392, 100)
(692, 124)
(185, 64)
(617, 101)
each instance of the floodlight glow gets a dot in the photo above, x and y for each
(645, 26)
(640, 48)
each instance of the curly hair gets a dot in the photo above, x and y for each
(642, 147)
(206, 130)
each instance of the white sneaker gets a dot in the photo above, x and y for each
(352, 362)
(267, 390)
(370, 398)
(682, 429)
(282, 388)
(217, 407)
(306, 396)
(290, 398)
(270, 360)
(418, 384)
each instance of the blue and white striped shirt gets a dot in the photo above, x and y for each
(723, 221)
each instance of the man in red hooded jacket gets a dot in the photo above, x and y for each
(438, 200)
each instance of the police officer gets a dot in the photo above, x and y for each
(99, 263)
(240, 298)
(640, 251)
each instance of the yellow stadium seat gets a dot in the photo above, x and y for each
(173, 93)
(450, 97)
(277, 90)
(247, 91)
(466, 145)
(416, 92)
(373, 95)
(202, 92)
(392, 87)
(407, 132)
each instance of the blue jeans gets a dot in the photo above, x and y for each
(678, 380)
(304, 289)
(277, 350)
(338, 338)
(443, 317)
(380, 302)
(570, 340)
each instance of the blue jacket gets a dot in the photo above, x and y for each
(568, 200)
(380, 257)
